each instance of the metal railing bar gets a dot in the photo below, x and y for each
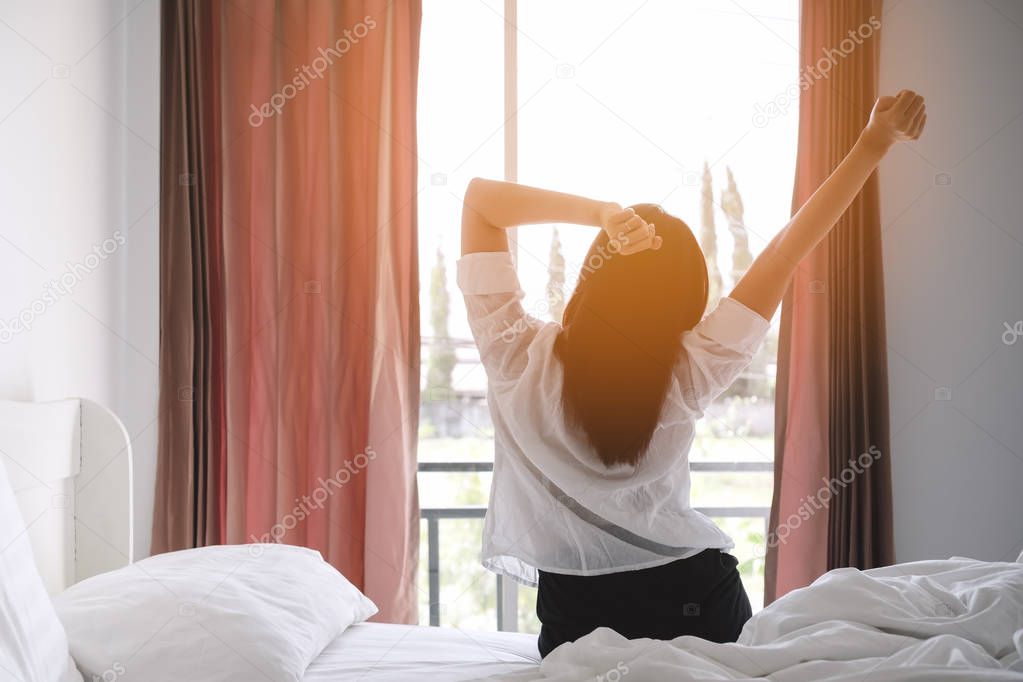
(433, 561)
(507, 605)
(731, 466)
(434, 513)
(485, 467)
(735, 512)
(500, 600)
(455, 467)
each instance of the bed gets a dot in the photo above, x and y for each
(75, 601)
(378, 652)
(69, 464)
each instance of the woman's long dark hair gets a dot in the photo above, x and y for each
(621, 335)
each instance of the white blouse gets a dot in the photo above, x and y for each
(554, 506)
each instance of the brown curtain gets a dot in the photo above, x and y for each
(289, 284)
(832, 496)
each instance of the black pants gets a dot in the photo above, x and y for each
(700, 596)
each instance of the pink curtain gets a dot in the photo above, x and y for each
(832, 399)
(316, 308)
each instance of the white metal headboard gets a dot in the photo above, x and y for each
(69, 462)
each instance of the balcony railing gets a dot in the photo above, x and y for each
(507, 590)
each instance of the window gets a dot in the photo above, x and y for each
(654, 101)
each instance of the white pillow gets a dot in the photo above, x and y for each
(234, 612)
(33, 645)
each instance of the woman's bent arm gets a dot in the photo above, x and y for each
(490, 207)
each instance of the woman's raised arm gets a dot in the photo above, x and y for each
(893, 119)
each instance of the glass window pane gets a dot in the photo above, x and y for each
(460, 131)
(630, 105)
(454, 489)
(460, 120)
(624, 101)
(732, 489)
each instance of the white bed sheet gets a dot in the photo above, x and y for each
(379, 652)
(959, 620)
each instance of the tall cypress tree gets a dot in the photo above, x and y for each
(441, 361)
(556, 279)
(731, 202)
(708, 238)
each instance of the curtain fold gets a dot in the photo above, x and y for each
(290, 286)
(191, 330)
(832, 494)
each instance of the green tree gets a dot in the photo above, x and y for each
(708, 238)
(441, 362)
(731, 203)
(757, 383)
(556, 279)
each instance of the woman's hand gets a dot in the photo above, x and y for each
(632, 233)
(896, 119)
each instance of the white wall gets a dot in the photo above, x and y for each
(79, 132)
(954, 277)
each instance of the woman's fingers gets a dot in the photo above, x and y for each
(615, 224)
(920, 128)
(904, 100)
(634, 247)
(917, 121)
(634, 223)
(632, 233)
(910, 127)
(630, 227)
(915, 108)
(626, 231)
(640, 239)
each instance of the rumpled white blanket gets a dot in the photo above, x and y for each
(959, 619)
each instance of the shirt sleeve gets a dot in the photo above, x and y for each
(716, 351)
(493, 300)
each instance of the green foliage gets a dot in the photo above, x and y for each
(441, 360)
(709, 239)
(731, 204)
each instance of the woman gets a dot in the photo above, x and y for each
(594, 417)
